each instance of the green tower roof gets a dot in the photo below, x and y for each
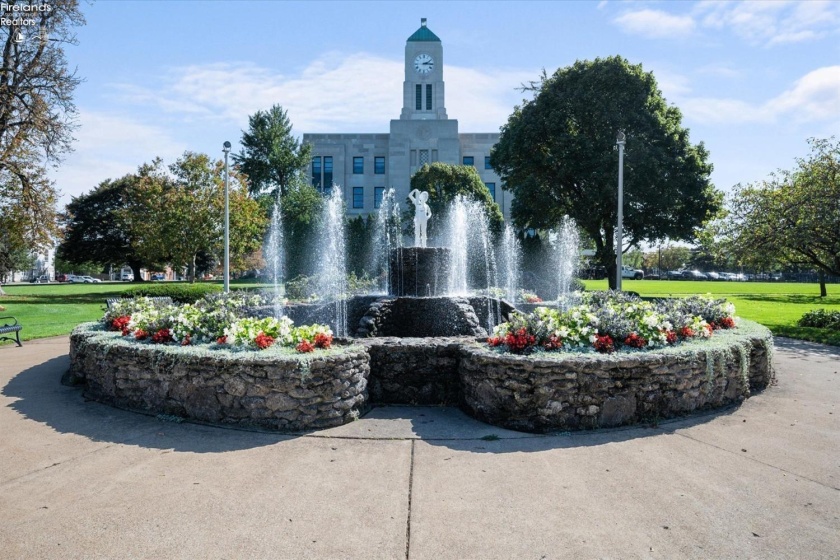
(424, 33)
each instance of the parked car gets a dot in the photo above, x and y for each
(127, 276)
(158, 276)
(90, 280)
(61, 278)
(694, 275)
(75, 279)
(629, 272)
(593, 273)
(43, 279)
(713, 275)
(675, 274)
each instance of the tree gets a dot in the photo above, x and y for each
(271, 157)
(301, 207)
(192, 213)
(793, 217)
(444, 182)
(101, 226)
(557, 154)
(36, 115)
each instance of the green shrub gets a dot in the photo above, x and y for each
(301, 288)
(180, 293)
(821, 318)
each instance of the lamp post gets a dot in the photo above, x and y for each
(619, 234)
(226, 150)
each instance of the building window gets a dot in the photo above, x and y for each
(316, 172)
(424, 157)
(328, 175)
(358, 165)
(434, 155)
(469, 160)
(492, 188)
(428, 97)
(418, 94)
(358, 197)
(487, 163)
(379, 165)
(378, 193)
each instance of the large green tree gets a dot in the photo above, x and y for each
(101, 226)
(271, 157)
(793, 217)
(557, 154)
(444, 182)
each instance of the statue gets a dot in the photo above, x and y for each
(422, 213)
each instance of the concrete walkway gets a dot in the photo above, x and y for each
(83, 480)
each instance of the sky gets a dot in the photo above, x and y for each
(754, 80)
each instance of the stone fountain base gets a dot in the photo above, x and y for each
(420, 271)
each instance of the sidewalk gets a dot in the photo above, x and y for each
(83, 480)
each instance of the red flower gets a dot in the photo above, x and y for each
(635, 341)
(686, 332)
(125, 332)
(221, 340)
(140, 334)
(670, 337)
(604, 344)
(120, 323)
(304, 346)
(495, 341)
(553, 343)
(726, 323)
(263, 341)
(187, 341)
(519, 341)
(533, 299)
(162, 336)
(323, 340)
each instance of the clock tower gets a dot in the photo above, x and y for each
(423, 97)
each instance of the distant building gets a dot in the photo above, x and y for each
(365, 165)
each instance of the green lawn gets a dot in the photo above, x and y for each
(54, 309)
(777, 305)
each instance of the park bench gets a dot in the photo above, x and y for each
(8, 328)
(163, 300)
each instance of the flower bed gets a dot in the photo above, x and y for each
(570, 389)
(275, 388)
(607, 322)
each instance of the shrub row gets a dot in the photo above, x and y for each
(180, 293)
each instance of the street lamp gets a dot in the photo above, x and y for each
(226, 150)
(620, 140)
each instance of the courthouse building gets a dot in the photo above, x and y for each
(365, 165)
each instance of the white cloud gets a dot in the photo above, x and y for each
(655, 24)
(109, 146)
(335, 93)
(813, 98)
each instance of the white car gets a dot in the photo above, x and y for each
(75, 279)
(90, 280)
(634, 273)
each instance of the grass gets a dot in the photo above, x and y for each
(54, 309)
(776, 305)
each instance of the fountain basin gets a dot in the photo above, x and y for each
(537, 393)
(419, 271)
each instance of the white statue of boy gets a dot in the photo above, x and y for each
(422, 213)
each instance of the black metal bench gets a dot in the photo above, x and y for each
(8, 328)
(162, 300)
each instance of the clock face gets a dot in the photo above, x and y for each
(424, 63)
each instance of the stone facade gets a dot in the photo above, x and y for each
(423, 133)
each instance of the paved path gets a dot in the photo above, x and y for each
(83, 480)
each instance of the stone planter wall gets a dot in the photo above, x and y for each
(592, 391)
(414, 370)
(527, 393)
(287, 393)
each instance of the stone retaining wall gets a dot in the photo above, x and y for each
(592, 391)
(527, 393)
(287, 393)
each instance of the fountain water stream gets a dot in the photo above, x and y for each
(332, 266)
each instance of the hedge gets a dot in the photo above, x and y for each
(180, 293)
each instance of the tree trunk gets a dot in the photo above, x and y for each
(135, 270)
(192, 271)
(823, 291)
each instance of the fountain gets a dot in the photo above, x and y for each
(274, 256)
(332, 265)
(565, 242)
(510, 257)
(387, 236)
